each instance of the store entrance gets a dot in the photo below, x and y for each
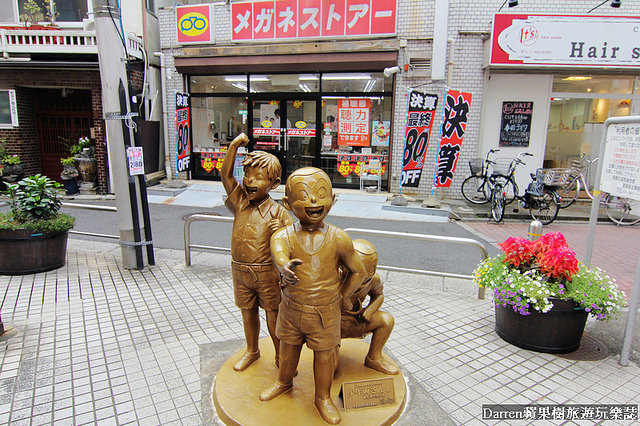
(286, 127)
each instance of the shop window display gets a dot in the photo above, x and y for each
(336, 121)
(215, 122)
(344, 147)
(580, 104)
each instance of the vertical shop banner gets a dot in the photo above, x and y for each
(183, 131)
(282, 19)
(454, 124)
(193, 24)
(354, 126)
(416, 140)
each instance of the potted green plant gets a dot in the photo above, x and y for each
(33, 234)
(543, 295)
(11, 168)
(69, 175)
(85, 156)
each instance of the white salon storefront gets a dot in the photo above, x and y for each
(552, 80)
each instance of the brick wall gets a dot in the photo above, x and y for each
(23, 140)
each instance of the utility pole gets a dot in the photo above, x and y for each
(118, 122)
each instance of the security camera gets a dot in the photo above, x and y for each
(388, 72)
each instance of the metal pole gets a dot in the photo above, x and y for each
(595, 207)
(535, 230)
(112, 59)
(631, 319)
(142, 184)
(133, 194)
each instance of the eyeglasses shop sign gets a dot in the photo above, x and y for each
(565, 40)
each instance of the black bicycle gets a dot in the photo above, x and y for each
(477, 188)
(541, 196)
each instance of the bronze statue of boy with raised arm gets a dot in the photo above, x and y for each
(309, 254)
(256, 281)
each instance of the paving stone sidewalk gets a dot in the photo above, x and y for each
(95, 343)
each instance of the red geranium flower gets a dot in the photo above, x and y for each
(559, 262)
(550, 241)
(517, 251)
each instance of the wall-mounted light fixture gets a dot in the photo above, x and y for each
(512, 3)
(389, 71)
(614, 3)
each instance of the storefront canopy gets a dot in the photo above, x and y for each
(313, 62)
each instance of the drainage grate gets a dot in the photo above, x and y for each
(591, 349)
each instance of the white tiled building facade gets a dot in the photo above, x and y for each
(469, 31)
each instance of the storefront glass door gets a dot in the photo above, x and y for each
(301, 134)
(287, 129)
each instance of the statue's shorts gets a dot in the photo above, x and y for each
(352, 327)
(256, 285)
(316, 325)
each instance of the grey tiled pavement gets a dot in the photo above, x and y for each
(94, 343)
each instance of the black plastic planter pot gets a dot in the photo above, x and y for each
(558, 331)
(26, 252)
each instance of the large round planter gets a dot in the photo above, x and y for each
(556, 332)
(71, 186)
(26, 252)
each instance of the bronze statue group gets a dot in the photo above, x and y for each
(309, 276)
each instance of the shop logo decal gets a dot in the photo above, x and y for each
(300, 124)
(193, 24)
(528, 35)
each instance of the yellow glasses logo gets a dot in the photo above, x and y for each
(193, 24)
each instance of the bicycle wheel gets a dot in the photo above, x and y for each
(509, 187)
(473, 190)
(568, 193)
(544, 207)
(622, 211)
(497, 202)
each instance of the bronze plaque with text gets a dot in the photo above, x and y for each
(368, 393)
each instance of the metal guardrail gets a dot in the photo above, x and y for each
(430, 238)
(92, 207)
(187, 234)
(401, 235)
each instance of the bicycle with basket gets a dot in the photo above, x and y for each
(541, 196)
(477, 188)
(620, 210)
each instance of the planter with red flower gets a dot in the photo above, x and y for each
(543, 295)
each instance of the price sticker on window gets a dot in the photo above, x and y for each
(136, 163)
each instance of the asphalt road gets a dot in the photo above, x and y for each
(168, 227)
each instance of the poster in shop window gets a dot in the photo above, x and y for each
(354, 126)
(416, 140)
(454, 125)
(183, 131)
(515, 126)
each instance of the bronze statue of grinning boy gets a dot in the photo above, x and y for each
(309, 254)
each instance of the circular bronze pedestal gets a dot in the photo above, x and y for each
(235, 394)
